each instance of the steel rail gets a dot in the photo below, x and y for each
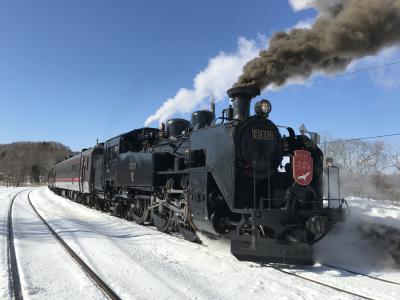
(89, 272)
(13, 279)
(361, 274)
(319, 283)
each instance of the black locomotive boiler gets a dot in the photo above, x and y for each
(222, 177)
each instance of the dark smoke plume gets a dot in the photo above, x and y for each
(346, 31)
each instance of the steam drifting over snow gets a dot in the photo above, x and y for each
(364, 242)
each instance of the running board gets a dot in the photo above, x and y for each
(271, 251)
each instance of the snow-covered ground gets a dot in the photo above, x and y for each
(141, 263)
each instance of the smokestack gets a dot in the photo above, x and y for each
(241, 97)
(213, 104)
(345, 30)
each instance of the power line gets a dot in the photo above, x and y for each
(356, 72)
(362, 138)
(370, 68)
(363, 70)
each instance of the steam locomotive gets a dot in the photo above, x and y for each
(235, 177)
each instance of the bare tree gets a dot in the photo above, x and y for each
(365, 167)
(361, 158)
(394, 159)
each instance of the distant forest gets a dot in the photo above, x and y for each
(29, 162)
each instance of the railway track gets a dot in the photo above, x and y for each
(320, 283)
(89, 272)
(288, 272)
(361, 274)
(14, 277)
(14, 280)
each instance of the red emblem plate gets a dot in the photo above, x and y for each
(302, 167)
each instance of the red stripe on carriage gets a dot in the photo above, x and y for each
(72, 179)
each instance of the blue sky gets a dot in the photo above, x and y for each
(74, 71)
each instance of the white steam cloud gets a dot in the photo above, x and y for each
(222, 71)
(321, 5)
(219, 75)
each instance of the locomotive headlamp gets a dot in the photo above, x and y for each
(263, 107)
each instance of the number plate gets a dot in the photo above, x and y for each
(259, 134)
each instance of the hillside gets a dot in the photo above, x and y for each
(22, 162)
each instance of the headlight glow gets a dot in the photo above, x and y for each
(263, 107)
